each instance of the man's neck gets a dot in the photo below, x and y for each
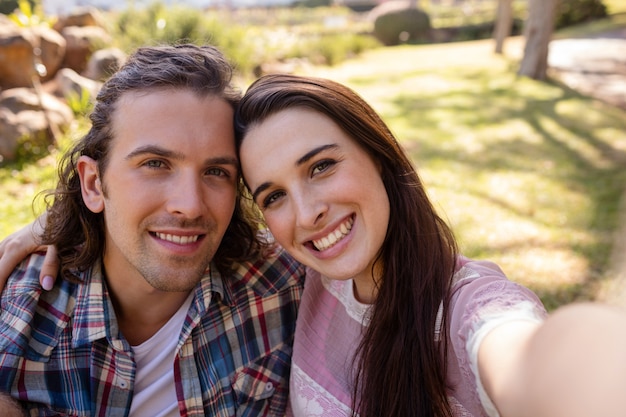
(141, 315)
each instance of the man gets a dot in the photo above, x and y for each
(169, 304)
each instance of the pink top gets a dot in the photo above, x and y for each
(330, 322)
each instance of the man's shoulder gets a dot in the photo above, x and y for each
(25, 276)
(28, 312)
(269, 272)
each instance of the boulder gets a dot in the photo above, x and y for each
(51, 50)
(83, 16)
(103, 63)
(82, 41)
(16, 56)
(69, 83)
(22, 119)
(23, 48)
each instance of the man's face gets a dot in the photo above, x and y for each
(169, 189)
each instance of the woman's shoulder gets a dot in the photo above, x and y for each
(482, 297)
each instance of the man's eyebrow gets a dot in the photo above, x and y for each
(166, 153)
(302, 160)
(154, 150)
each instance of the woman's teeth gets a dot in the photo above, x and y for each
(334, 237)
(181, 240)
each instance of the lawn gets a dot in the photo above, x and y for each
(529, 174)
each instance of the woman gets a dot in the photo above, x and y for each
(393, 321)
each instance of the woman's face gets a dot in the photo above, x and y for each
(321, 194)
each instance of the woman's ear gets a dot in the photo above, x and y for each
(90, 184)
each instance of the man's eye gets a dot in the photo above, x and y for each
(219, 172)
(154, 163)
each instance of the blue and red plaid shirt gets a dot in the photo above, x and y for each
(61, 352)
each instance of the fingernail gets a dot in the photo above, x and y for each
(47, 283)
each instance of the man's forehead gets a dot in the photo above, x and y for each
(176, 122)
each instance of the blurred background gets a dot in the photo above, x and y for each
(513, 111)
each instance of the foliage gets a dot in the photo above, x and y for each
(332, 49)
(571, 12)
(9, 6)
(469, 13)
(28, 13)
(81, 104)
(410, 25)
(248, 37)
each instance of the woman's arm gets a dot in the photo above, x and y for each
(17, 246)
(572, 365)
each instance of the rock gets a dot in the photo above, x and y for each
(16, 56)
(84, 16)
(82, 41)
(104, 63)
(22, 118)
(52, 50)
(69, 83)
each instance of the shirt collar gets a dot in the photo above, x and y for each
(94, 316)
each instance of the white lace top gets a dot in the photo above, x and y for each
(330, 323)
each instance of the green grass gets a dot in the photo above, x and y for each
(529, 174)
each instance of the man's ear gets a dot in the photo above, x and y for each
(90, 183)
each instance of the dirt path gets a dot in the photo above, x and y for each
(593, 66)
(596, 67)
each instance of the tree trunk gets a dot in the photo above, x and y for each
(538, 32)
(504, 22)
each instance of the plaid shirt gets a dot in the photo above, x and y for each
(61, 352)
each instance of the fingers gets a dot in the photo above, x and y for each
(18, 245)
(13, 249)
(49, 269)
(12, 252)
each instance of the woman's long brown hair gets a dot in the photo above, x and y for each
(400, 367)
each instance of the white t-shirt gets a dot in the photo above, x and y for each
(155, 392)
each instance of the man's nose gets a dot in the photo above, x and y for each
(186, 196)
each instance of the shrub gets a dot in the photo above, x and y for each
(331, 49)
(571, 12)
(159, 24)
(409, 25)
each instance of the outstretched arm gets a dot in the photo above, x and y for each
(15, 247)
(572, 365)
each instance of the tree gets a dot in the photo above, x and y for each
(538, 30)
(504, 22)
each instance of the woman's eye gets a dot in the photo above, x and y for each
(322, 166)
(270, 199)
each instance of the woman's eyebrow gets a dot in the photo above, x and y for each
(314, 152)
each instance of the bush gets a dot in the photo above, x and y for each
(331, 49)
(409, 25)
(158, 24)
(571, 12)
